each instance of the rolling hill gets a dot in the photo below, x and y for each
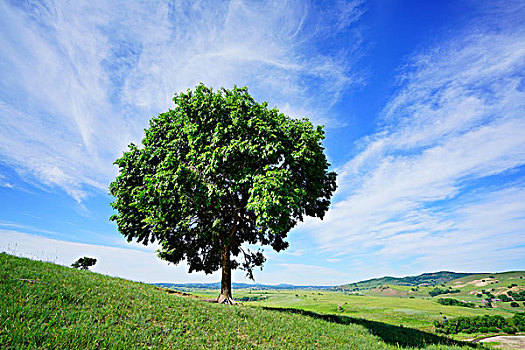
(44, 305)
(425, 279)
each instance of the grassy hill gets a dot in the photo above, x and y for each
(426, 279)
(49, 306)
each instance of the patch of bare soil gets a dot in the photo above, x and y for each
(506, 289)
(477, 283)
(506, 341)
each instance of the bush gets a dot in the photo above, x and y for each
(519, 321)
(510, 330)
(252, 298)
(505, 298)
(517, 296)
(84, 263)
(514, 304)
(455, 302)
(480, 324)
(437, 291)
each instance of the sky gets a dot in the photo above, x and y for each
(423, 104)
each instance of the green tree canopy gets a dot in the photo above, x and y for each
(84, 263)
(216, 173)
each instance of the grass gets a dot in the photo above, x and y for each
(49, 306)
(416, 313)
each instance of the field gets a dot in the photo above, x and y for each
(418, 313)
(407, 306)
(49, 306)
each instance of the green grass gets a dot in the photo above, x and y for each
(416, 313)
(49, 306)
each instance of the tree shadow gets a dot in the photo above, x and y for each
(390, 334)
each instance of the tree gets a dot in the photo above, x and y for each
(84, 263)
(216, 174)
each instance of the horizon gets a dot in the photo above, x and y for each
(423, 106)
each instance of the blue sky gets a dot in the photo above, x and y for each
(423, 104)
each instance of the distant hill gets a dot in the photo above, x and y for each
(217, 285)
(425, 279)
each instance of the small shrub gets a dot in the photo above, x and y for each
(510, 330)
(84, 263)
(505, 298)
(514, 304)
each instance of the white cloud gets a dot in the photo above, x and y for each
(143, 265)
(79, 81)
(419, 189)
(4, 182)
(138, 265)
(302, 274)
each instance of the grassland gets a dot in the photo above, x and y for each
(418, 313)
(49, 306)
(409, 306)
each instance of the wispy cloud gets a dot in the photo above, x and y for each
(422, 189)
(4, 182)
(79, 81)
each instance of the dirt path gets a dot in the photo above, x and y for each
(507, 341)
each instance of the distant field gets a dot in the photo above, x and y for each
(46, 306)
(409, 306)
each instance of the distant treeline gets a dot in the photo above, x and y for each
(252, 298)
(455, 302)
(217, 285)
(481, 324)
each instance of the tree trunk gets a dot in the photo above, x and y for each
(226, 282)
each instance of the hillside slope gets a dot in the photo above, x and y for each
(426, 279)
(49, 306)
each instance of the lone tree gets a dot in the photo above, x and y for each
(216, 173)
(84, 263)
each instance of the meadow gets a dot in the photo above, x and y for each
(44, 305)
(403, 306)
(418, 313)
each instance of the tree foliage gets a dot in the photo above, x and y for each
(438, 291)
(84, 263)
(455, 302)
(481, 324)
(218, 172)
